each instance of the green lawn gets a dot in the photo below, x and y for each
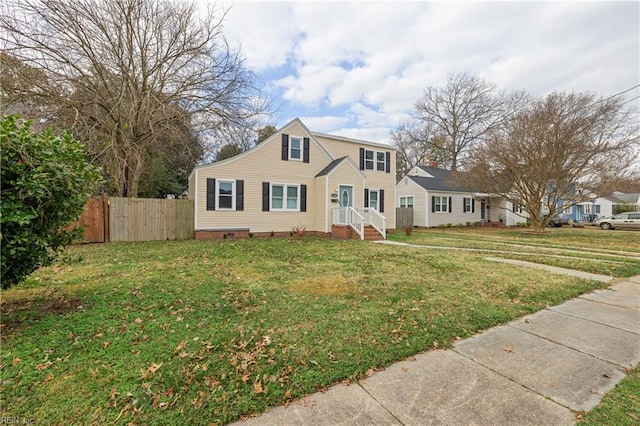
(210, 331)
(587, 249)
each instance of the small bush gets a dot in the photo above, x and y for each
(46, 181)
(449, 225)
(250, 234)
(469, 224)
(298, 230)
(408, 230)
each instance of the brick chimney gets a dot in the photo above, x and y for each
(433, 164)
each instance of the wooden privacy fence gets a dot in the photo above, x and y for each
(404, 218)
(137, 219)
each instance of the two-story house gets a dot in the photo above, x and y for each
(330, 185)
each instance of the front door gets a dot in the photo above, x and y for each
(345, 192)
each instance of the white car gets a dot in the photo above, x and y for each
(627, 220)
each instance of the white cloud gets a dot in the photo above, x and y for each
(374, 59)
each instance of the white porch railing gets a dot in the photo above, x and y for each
(350, 217)
(374, 218)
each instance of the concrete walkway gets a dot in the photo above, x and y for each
(540, 369)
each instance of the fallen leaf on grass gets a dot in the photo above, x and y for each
(106, 344)
(138, 320)
(257, 387)
(16, 360)
(370, 372)
(44, 365)
(154, 367)
(180, 346)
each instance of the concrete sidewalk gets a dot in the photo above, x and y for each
(537, 370)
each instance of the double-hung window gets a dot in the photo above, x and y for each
(285, 197)
(406, 202)
(295, 148)
(440, 204)
(381, 161)
(373, 198)
(467, 205)
(369, 160)
(225, 195)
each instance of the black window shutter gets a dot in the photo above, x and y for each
(285, 147)
(265, 196)
(449, 204)
(366, 197)
(381, 201)
(239, 195)
(433, 204)
(305, 144)
(211, 194)
(362, 159)
(303, 198)
(473, 205)
(388, 162)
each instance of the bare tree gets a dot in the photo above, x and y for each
(462, 112)
(417, 144)
(126, 74)
(561, 150)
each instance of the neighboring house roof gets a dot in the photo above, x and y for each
(620, 198)
(442, 180)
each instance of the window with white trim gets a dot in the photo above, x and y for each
(597, 209)
(285, 197)
(567, 209)
(295, 148)
(381, 161)
(467, 205)
(441, 204)
(225, 194)
(368, 160)
(406, 202)
(586, 208)
(374, 196)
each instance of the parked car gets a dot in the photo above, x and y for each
(626, 220)
(558, 220)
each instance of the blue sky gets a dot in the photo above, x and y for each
(356, 68)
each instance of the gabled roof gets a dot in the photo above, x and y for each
(442, 180)
(263, 144)
(333, 165)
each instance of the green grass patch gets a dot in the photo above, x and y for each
(210, 331)
(587, 249)
(619, 407)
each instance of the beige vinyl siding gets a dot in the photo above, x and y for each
(374, 179)
(263, 164)
(407, 187)
(346, 175)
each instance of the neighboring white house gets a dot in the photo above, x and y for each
(437, 198)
